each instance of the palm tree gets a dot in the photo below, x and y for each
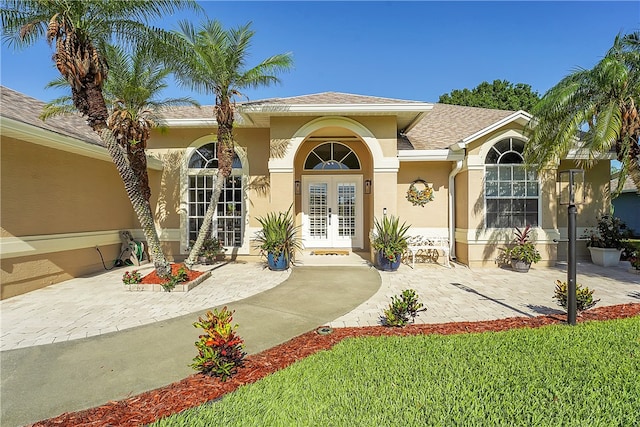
(132, 93)
(81, 30)
(212, 60)
(599, 106)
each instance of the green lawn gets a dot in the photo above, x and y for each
(587, 375)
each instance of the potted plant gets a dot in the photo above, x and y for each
(390, 242)
(278, 238)
(212, 249)
(606, 244)
(524, 252)
(634, 260)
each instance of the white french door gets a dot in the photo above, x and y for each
(332, 211)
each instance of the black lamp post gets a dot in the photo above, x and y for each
(571, 193)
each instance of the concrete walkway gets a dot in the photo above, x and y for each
(84, 342)
(43, 381)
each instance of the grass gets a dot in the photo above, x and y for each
(586, 375)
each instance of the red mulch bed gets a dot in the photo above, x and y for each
(153, 278)
(198, 389)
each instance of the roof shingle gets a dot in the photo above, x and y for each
(22, 108)
(448, 124)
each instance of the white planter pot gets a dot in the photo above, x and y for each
(606, 257)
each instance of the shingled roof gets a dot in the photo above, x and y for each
(22, 108)
(448, 124)
(330, 98)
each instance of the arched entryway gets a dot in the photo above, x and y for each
(333, 170)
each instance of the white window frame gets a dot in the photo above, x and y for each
(187, 172)
(486, 165)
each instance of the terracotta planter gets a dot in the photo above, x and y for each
(606, 257)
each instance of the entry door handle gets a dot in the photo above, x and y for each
(329, 216)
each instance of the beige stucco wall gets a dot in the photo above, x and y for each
(46, 194)
(434, 214)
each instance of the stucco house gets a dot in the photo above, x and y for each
(339, 159)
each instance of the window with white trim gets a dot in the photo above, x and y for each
(228, 219)
(512, 191)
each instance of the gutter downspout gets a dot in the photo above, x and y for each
(452, 209)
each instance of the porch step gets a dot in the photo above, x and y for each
(333, 257)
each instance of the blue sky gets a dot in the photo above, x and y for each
(408, 50)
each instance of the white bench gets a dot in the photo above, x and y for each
(426, 243)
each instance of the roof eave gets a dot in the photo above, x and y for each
(37, 135)
(518, 115)
(191, 123)
(429, 155)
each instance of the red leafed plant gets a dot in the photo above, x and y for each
(220, 350)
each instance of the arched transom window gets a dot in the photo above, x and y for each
(511, 190)
(332, 156)
(228, 221)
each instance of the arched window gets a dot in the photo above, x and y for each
(331, 156)
(228, 221)
(511, 190)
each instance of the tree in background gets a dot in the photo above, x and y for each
(500, 94)
(212, 60)
(595, 110)
(81, 31)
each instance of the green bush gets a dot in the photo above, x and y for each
(584, 296)
(220, 350)
(181, 276)
(402, 307)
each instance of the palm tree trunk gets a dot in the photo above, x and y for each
(90, 102)
(205, 228)
(224, 117)
(141, 206)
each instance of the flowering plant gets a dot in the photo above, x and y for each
(419, 197)
(131, 278)
(635, 260)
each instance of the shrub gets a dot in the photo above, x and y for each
(131, 278)
(611, 233)
(403, 307)
(181, 276)
(584, 296)
(220, 350)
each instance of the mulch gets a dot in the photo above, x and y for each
(153, 278)
(198, 389)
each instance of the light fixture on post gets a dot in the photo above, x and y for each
(298, 188)
(571, 194)
(367, 186)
